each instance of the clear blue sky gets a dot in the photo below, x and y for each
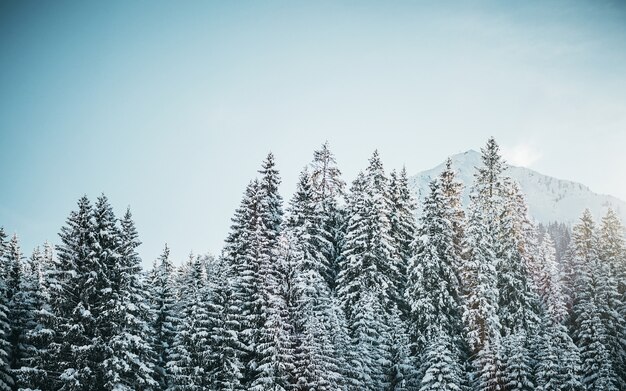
(170, 107)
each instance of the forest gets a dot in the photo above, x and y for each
(338, 288)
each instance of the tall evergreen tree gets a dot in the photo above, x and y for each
(129, 358)
(164, 315)
(35, 360)
(318, 361)
(6, 379)
(433, 290)
(590, 326)
(190, 359)
(75, 293)
(18, 308)
(612, 250)
(327, 187)
(402, 229)
(481, 313)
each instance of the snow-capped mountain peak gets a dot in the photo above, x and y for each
(549, 199)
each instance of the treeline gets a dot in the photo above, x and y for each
(339, 290)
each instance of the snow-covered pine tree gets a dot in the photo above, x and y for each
(164, 315)
(402, 229)
(369, 266)
(18, 311)
(327, 188)
(240, 254)
(106, 281)
(318, 361)
(558, 359)
(518, 302)
(613, 252)
(227, 368)
(519, 305)
(590, 309)
(36, 336)
(6, 378)
(452, 191)
(433, 290)
(129, 359)
(518, 363)
(74, 292)
(275, 356)
(441, 371)
(381, 244)
(258, 291)
(189, 363)
(481, 313)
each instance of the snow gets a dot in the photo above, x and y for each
(549, 199)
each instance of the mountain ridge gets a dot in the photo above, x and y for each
(549, 199)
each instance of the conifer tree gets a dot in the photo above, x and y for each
(402, 228)
(35, 360)
(129, 362)
(433, 288)
(75, 294)
(590, 325)
(318, 362)
(441, 372)
(164, 315)
(18, 308)
(189, 363)
(6, 379)
(327, 187)
(612, 250)
(481, 313)
(227, 368)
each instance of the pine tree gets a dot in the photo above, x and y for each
(327, 187)
(18, 308)
(590, 309)
(481, 313)
(558, 359)
(433, 290)
(402, 228)
(227, 367)
(612, 250)
(75, 293)
(275, 361)
(129, 362)
(190, 359)
(440, 366)
(252, 253)
(35, 359)
(6, 379)
(165, 316)
(318, 363)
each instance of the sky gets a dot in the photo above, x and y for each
(170, 107)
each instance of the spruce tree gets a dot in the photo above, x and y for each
(75, 294)
(327, 187)
(481, 313)
(590, 323)
(612, 250)
(6, 379)
(433, 290)
(402, 228)
(164, 315)
(318, 362)
(35, 360)
(189, 363)
(129, 362)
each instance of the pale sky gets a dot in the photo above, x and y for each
(170, 107)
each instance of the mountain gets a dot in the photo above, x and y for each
(549, 199)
